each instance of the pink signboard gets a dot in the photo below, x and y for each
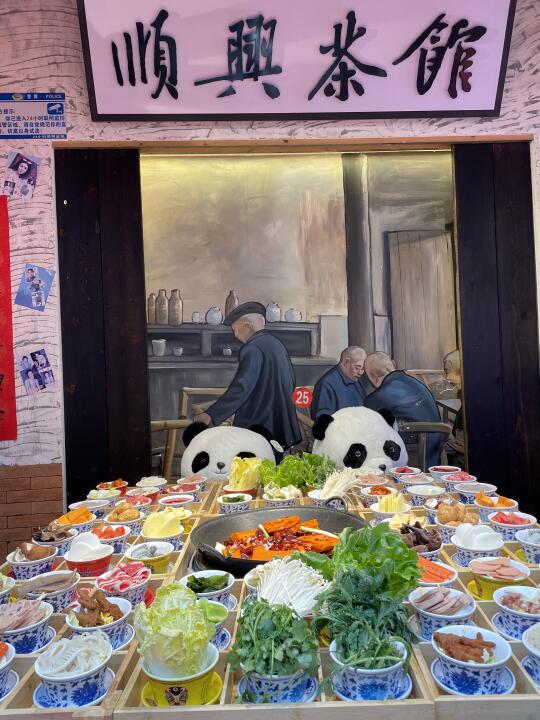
(191, 59)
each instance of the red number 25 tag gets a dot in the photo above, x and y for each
(302, 397)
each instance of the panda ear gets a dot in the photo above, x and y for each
(388, 415)
(260, 430)
(321, 425)
(192, 431)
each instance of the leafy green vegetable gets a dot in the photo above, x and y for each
(297, 470)
(272, 640)
(244, 473)
(173, 633)
(380, 552)
(364, 619)
(207, 584)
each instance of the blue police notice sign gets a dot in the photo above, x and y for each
(33, 115)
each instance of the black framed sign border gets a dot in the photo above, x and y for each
(227, 117)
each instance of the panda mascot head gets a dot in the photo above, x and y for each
(359, 438)
(210, 450)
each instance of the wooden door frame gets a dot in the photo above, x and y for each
(498, 217)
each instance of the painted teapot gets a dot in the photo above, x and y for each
(273, 312)
(214, 316)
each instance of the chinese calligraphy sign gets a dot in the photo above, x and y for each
(191, 59)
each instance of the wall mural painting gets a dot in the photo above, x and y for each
(325, 314)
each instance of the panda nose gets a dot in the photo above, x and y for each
(382, 467)
(221, 465)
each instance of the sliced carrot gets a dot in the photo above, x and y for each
(261, 554)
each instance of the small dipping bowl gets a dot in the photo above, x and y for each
(66, 692)
(220, 596)
(366, 494)
(99, 507)
(91, 568)
(228, 508)
(429, 622)
(420, 493)
(62, 545)
(486, 585)
(509, 531)
(30, 568)
(134, 595)
(59, 599)
(464, 555)
(515, 622)
(463, 676)
(485, 512)
(158, 563)
(531, 550)
(176, 500)
(469, 490)
(31, 638)
(115, 631)
(437, 472)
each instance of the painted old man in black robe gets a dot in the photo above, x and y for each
(262, 389)
(406, 397)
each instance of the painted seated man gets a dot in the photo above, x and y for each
(406, 397)
(340, 387)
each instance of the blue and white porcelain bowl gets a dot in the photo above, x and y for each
(365, 494)
(219, 625)
(228, 508)
(420, 493)
(400, 477)
(469, 490)
(85, 526)
(5, 593)
(4, 671)
(431, 514)
(251, 586)
(31, 568)
(115, 631)
(220, 596)
(438, 472)
(31, 638)
(371, 684)
(463, 556)
(428, 622)
(509, 531)
(485, 512)
(452, 480)
(120, 543)
(176, 541)
(134, 595)
(447, 583)
(530, 550)
(60, 599)
(62, 545)
(380, 516)
(432, 555)
(533, 660)
(74, 691)
(99, 507)
(514, 622)
(276, 685)
(279, 502)
(446, 531)
(471, 678)
(135, 526)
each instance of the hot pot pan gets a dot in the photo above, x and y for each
(205, 536)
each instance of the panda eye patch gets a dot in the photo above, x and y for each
(245, 455)
(200, 461)
(392, 450)
(355, 456)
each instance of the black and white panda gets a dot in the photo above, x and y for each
(359, 438)
(210, 450)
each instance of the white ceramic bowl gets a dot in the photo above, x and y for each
(30, 638)
(525, 638)
(411, 471)
(228, 508)
(98, 507)
(429, 622)
(133, 525)
(420, 493)
(175, 540)
(485, 511)
(437, 472)
(59, 599)
(508, 532)
(62, 545)
(380, 515)
(115, 631)
(157, 482)
(366, 494)
(134, 594)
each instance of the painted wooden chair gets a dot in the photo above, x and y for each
(420, 430)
